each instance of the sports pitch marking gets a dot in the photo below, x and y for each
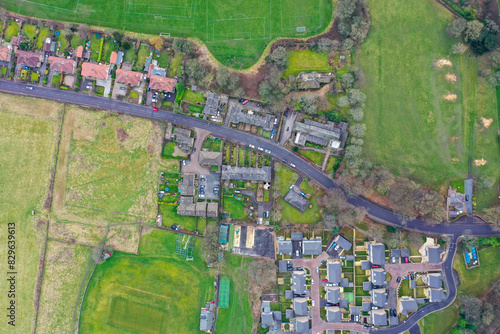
(50, 6)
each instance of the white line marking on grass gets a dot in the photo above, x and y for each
(129, 287)
(49, 6)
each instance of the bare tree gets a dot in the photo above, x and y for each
(83, 31)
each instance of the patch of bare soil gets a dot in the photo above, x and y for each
(442, 62)
(121, 135)
(450, 97)
(453, 139)
(451, 77)
(480, 162)
(486, 122)
(455, 160)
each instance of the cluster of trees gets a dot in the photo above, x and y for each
(353, 21)
(480, 35)
(338, 211)
(475, 313)
(228, 82)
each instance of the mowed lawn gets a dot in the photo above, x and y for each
(412, 128)
(308, 61)
(235, 32)
(440, 322)
(28, 136)
(153, 292)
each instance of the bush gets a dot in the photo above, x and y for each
(180, 88)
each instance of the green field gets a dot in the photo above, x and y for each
(307, 61)
(236, 32)
(153, 292)
(406, 101)
(440, 322)
(28, 137)
(235, 207)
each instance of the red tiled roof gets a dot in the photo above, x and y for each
(95, 71)
(79, 51)
(30, 59)
(129, 77)
(5, 54)
(62, 64)
(113, 57)
(162, 83)
(16, 40)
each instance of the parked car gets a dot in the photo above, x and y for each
(312, 281)
(241, 100)
(317, 270)
(245, 102)
(123, 88)
(324, 280)
(259, 104)
(303, 194)
(275, 120)
(406, 259)
(267, 151)
(297, 253)
(223, 104)
(291, 164)
(399, 279)
(284, 161)
(260, 148)
(202, 179)
(155, 109)
(30, 87)
(274, 130)
(312, 303)
(251, 146)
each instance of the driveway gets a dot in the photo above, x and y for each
(287, 126)
(194, 166)
(400, 270)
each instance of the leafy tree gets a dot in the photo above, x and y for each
(348, 44)
(345, 9)
(308, 105)
(356, 114)
(473, 30)
(117, 36)
(194, 70)
(356, 98)
(495, 58)
(343, 101)
(359, 30)
(493, 215)
(126, 45)
(380, 179)
(456, 27)
(459, 48)
(358, 130)
(279, 58)
(347, 80)
(271, 90)
(183, 46)
(333, 116)
(157, 42)
(471, 307)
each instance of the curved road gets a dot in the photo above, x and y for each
(375, 212)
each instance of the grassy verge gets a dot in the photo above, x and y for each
(316, 157)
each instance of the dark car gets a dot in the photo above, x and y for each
(466, 197)
(223, 104)
(399, 279)
(241, 100)
(284, 160)
(259, 104)
(202, 179)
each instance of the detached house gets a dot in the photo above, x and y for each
(29, 59)
(131, 78)
(163, 84)
(62, 65)
(95, 71)
(6, 53)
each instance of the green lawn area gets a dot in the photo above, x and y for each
(28, 138)
(236, 34)
(405, 289)
(459, 185)
(76, 41)
(11, 30)
(29, 31)
(238, 317)
(285, 177)
(170, 217)
(190, 96)
(62, 40)
(175, 65)
(477, 281)
(95, 47)
(148, 293)
(292, 215)
(212, 144)
(316, 157)
(141, 56)
(440, 322)
(234, 207)
(405, 95)
(307, 61)
(42, 36)
(163, 58)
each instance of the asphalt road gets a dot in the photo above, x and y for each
(376, 212)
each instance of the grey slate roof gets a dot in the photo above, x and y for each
(288, 294)
(354, 310)
(367, 306)
(187, 186)
(408, 305)
(343, 303)
(300, 306)
(344, 282)
(296, 200)
(334, 271)
(378, 276)
(183, 137)
(434, 253)
(312, 247)
(206, 320)
(396, 253)
(267, 319)
(299, 282)
(212, 210)
(246, 173)
(302, 325)
(434, 280)
(405, 252)
(376, 253)
(367, 286)
(350, 258)
(297, 236)
(289, 313)
(211, 104)
(333, 294)
(343, 242)
(186, 207)
(277, 315)
(435, 295)
(333, 314)
(208, 158)
(238, 116)
(318, 133)
(282, 266)
(378, 318)
(285, 247)
(379, 297)
(366, 265)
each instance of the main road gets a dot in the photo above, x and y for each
(375, 212)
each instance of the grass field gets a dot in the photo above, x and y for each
(107, 168)
(406, 98)
(308, 61)
(285, 177)
(28, 144)
(235, 208)
(153, 292)
(440, 322)
(64, 272)
(236, 32)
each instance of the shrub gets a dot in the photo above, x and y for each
(180, 87)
